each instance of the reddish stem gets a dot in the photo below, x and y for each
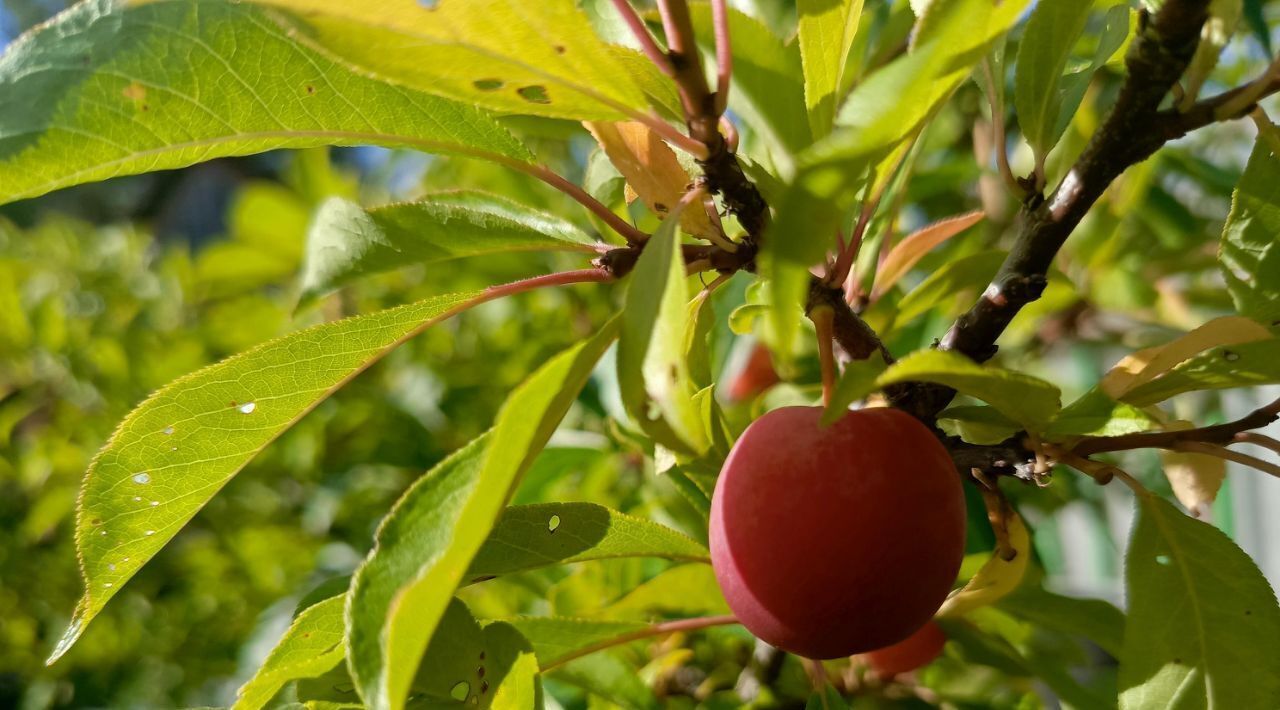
(641, 33)
(560, 278)
(724, 54)
(823, 318)
(550, 177)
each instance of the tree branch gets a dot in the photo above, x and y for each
(1156, 60)
(1217, 434)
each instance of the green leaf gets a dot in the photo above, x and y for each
(1094, 619)
(977, 424)
(1046, 44)
(346, 241)
(687, 590)
(1028, 400)
(767, 84)
(556, 640)
(427, 542)
(1242, 365)
(532, 536)
(611, 679)
(1203, 621)
(310, 648)
(857, 380)
(1096, 414)
(826, 33)
(874, 127)
(180, 446)
(171, 83)
(510, 56)
(1249, 254)
(826, 699)
(956, 276)
(654, 377)
(469, 666)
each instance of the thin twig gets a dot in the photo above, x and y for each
(641, 33)
(724, 54)
(667, 627)
(624, 228)
(998, 138)
(1253, 437)
(561, 278)
(1216, 434)
(1196, 447)
(1252, 92)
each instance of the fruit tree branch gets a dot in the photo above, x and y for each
(1157, 58)
(1216, 434)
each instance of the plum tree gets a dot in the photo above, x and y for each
(915, 651)
(831, 541)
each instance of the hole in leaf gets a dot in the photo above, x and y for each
(488, 84)
(143, 477)
(149, 533)
(1163, 560)
(536, 94)
(168, 430)
(480, 672)
(1230, 355)
(311, 89)
(247, 407)
(484, 687)
(460, 690)
(553, 523)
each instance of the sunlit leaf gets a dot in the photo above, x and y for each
(1097, 414)
(908, 252)
(507, 55)
(431, 536)
(687, 590)
(826, 31)
(997, 578)
(651, 170)
(179, 447)
(346, 241)
(1046, 44)
(1246, 365)
(1194, 478)
(110, 89)
(310, 647)
(1202, 618)
(1141, 367)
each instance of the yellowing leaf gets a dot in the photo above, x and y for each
(997, 577)
(513, 56)
(1195, 478)
(912, 249)
(651, 169)
(1145, 365)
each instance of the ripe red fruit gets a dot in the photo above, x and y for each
(756, 376)
(831, 541)
(914, 651)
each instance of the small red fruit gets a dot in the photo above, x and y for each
(831, 541)
(918, 649)
(756, 376)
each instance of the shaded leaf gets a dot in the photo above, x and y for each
(1097, 414)
(180, 446)
(532, 536)
(346, 242)
(1046, 44)
(428, 541)
(977, 424)
(310, 647)
(110, 89)
(687, 590)
(1099, 621)
(1249, 254)
(857, 380)
(556, 639)
(1202, 618)
(653, 372)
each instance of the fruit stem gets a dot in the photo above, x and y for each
(823, 318)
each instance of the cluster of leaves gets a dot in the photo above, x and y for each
(868, 106)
